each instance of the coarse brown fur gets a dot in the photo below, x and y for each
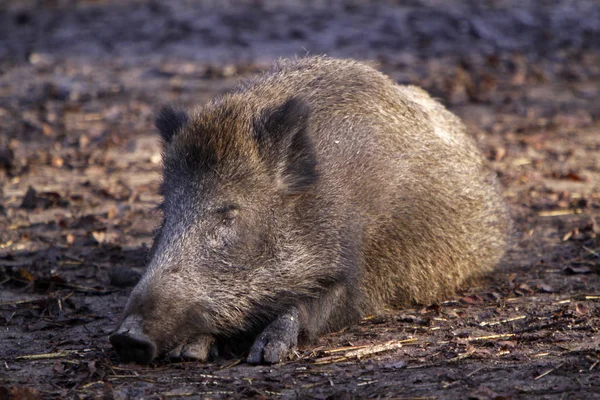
(320, 187)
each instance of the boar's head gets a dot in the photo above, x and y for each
(222, 261)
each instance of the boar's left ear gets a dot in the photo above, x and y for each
(284, 138)
(169, 121)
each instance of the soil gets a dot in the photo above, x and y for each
(80, 82)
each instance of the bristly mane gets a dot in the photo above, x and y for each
(215, 139)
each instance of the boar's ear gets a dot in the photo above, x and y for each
(169, 121)
(283, 134)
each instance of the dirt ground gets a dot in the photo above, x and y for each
(79, 167)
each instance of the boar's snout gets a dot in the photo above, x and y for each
(131, 343)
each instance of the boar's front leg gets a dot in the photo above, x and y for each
(277, 340)
(335, 308)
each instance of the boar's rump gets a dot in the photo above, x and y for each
(308, 197)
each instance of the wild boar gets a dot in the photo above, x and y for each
(310, 196)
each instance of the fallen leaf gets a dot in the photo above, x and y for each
(57, 161)
(544, 288)
(581, 309)
(473, 299)
(30, 199)
(100, 236)
(28, 276)
(578, 270)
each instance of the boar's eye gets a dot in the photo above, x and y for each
(227, 213)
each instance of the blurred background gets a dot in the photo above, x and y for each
(80, 82)
(101, 53)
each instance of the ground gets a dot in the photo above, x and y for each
(79, 167)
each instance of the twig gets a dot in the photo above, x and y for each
(345, 348)
(367, 383)
(66, 285)
(87, 385)
(417, 398)
(543, 374)
(470, 374)
(200, 394)
(6, 244)
(594, 252)
(16, 303)
(138, 377)
(460, 357)
(365, 346)
(361, 351)
(231, 364)
(207, 376)
(378, 348)
(504, 321)
(500, 336)
(431, 365)
(556, 213)
(45, 356)
(82, 288)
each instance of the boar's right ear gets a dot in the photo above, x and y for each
(283, 134)
(169, 121)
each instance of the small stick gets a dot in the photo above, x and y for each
(16, 303)
(364, 346)
(556, 213)
(83, 288)
(349, 348)
(563, 302)
(87, 385)
(423, 366)
(460, 357)
(500, 336)
(503, 321)
(363, 351)
(231, 364)
(470, 374)
(367, 383)
(45, 356)
(378, 348)
(201, 394)
(6, 244)
(416, 398)
(207, 376)
(139, 377)
(543, 374)
(345, 348)
(594, 252)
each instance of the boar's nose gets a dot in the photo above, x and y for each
(131, 343)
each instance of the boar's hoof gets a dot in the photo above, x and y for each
(131, 343)
(201, 349)
(277, 340)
